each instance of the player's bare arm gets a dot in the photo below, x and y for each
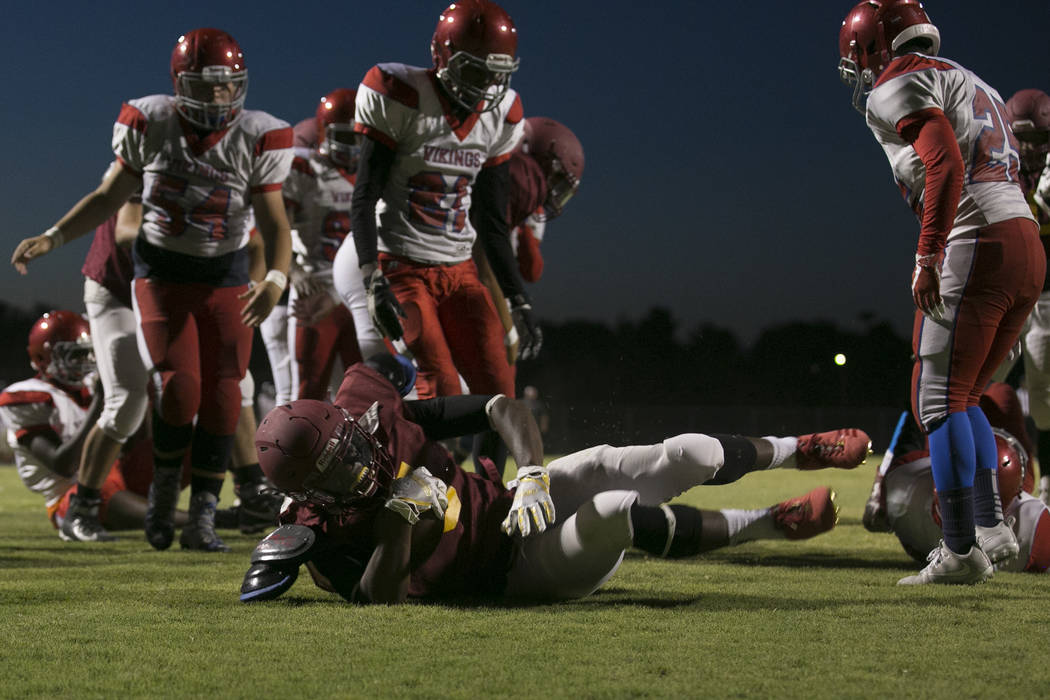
(257, 255)
(515, 423)
(129, 220)
(64, 457)
(85, 216)
(274, 230)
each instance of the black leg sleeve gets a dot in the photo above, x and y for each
(740, 458)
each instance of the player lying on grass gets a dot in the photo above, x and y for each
(904, 502)
(381, 513)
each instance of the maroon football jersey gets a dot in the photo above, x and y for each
(528, 188)
(109, 264)
(473, 555)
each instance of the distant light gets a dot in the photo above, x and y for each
(840, 359)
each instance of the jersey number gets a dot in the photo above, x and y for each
(334, 230)
(168, 193)
(434, 204)
(996, 157)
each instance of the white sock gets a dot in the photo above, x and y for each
(784, 449)
(748, 525)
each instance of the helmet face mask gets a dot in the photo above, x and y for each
(476, 84)
(210, 78)
(560, 156)
(1029, 114)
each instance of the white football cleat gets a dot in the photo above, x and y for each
(999, 543)
(948, 567)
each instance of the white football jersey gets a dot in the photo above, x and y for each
(422, 214)
(991, 185)
(197, 190)
(318, 195)
(32, 406)
(909, 509)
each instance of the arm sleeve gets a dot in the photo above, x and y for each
(488, 213)
(450, 416)
(932, 137)
(373, 171)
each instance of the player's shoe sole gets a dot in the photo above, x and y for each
(999, 543)
(807, 516)
(947, 567)
(847, 448)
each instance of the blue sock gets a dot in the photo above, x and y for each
(987, 509)
(953, 459)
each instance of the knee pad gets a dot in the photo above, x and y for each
(607, 518)
(122, 417)
(247, 387)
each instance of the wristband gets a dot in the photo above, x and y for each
(277, 278)
(928, 261)
(56, 236)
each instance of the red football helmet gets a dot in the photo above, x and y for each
(1029, 115)
(60, 347)
(1012, 466)
(871, 33)
(211, 80)
(474, 48)
(560, 156)
(314, 451)
(335, 128)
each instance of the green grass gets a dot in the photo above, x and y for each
(820, 618)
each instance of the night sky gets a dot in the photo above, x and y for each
(728, 178)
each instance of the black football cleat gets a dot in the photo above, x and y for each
(199, 533)
(160, 510)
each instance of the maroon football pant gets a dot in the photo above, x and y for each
(451, 327)
(316, 348)
(990, 284)
(195, 339)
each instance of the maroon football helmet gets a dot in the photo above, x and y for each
(1029, 115)
(314, 451)
(1012, 466)
(335, 128)
(60, 347)
(560, 156)
(211, 80)
(871, 33)
(474, 49)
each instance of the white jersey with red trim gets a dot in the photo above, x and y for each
(1031, 523)
(991, 183)
(318, 195)
(197, 189)
(422, 214)
(34, 406)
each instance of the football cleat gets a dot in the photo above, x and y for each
(807, 516)
(874, 518)
(199, 533)
(160, 508)
(847, 448)
(945, 566)
(82, 524)
(260, 504)
(999, 543)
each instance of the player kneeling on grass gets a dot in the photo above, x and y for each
(48, 417)
(381, 513)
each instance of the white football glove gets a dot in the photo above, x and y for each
(418, 493)
(532, 504)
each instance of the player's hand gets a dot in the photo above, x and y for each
(313, 308)
(29, 249)
(532, 509)
(418, 493)
(926, 286)
(260, 300)
(383, 306)
(530, 337)
(301, 277)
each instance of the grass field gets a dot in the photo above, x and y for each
(814, 619)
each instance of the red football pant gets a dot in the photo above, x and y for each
(316, 348)
(990, 284)
(451, 327)
(194, 336)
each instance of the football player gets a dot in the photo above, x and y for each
(317, 195)
(1029, 115)
(436, 146)
(204, 165)
(904, 502)
(48, 418)
(380, 512)
(978, 265)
